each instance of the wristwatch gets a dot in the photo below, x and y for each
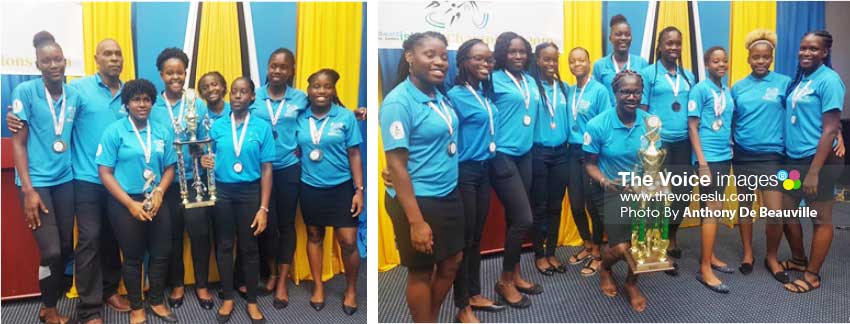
(266, 209)
(360, 188)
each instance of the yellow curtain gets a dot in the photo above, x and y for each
(582, 28)
(219, 48)
(103, 20)
(745, 17)
(328, 36)
(388, 257)
(675, 13)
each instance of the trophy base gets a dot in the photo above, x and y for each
(650, 265)
(197, 141)
(199, 204)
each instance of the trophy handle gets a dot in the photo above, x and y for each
(211, 177)
(181, 174)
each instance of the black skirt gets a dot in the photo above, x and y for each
(828, 177)
(328, 206)
(445, 217)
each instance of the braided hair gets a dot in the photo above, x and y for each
(500, 50)
(827, 42)
(535, 71)
(679, 65)
(463, 75)
(285, 51)
(333, 75)
(623, 74)
(409, 43)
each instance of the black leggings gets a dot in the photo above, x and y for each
(474, 187)
(233, 214)
(278, 240)
(136, 237)
(54, 238)
(510, 177)
(579, 188)
(549, 180)
(196, 222)
(678, 160)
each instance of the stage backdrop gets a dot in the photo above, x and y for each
(704, 24)
(233, 38)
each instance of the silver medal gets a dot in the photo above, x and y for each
(793, 119)
(716, 125)
(147, 174)
(492, 147)
(237, 167)
(452, 148)
(552, 125)
(526, 120)
(59, 146)
(316, 155)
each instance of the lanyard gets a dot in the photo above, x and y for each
(179, 119)
(444, 113)
(145, 148)
(237, 142)
(274, 116)
(577, 100)
(675, 86)
(554, 104)
(628, 63)
(526, 94)
(484, 104)
(58, 121)
(719, 102)
(316, 134)
(799, 93)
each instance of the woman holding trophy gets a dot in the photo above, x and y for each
(242, 160)
(136, 164)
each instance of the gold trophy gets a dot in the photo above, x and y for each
(649, 234)
(205, 193)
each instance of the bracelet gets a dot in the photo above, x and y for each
(158, 189)
(266, 209)
(360, 188)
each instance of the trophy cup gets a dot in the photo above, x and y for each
(147, 204)
(205, 193)
(649, 239)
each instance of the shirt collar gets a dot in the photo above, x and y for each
(264, 94)
(99, 81)
(816, 73)
(619, 123)
(333, 112)
(41, 86)
(418, 95)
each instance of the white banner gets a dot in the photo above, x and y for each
(537, 21)
(19, 21)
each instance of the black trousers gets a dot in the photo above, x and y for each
(579, 188)
(196, 223)
(510, 177)
(97, 260)
(678, 160)
(136, 238)
(278, 240)
(474, 186)
(549, 169)
(54, 238)
(233, 214)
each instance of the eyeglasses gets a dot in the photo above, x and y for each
(479, 59)
(625, 93)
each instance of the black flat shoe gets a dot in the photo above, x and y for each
(548, 272)
(781, 276)
(262, 320)
(524, 302)
(348, 310)
(205, 303)
(280, 303)
(675, 253)
(719, 288)
(168, 318)
(317, 306)
(175, 303)
(223, 318)
(496, 307)
(674, 272)
(746, 268)
(533, 290)
(560, 269)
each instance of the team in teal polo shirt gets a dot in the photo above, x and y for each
(477, 116)
(515, 126)
(160, 115)
(758, 113)
(283, 116)
(410, 120)
(339, 131)
(255, 135)
(713, 106)
(817, 93)
(48, 153)
(667, 95)
(100, 108)
(605, 69)
(122, 150)
(553, 123)
(584, 104)
(616, 145)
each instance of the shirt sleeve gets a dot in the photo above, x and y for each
(647, 86)
(597, 73)
(107, 150)
(592, 142)
(395, 126)
(603, 100)
(21, 103)
(352, 136)
(696, 97)
(267, 148)
(832, 95)
(169, 156)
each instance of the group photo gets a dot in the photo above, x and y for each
(184, 162)
(647, 161)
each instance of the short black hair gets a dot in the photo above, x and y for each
(500, 50)
(331, 73)
(171, 52)
(136, 87)
(246, 79)
(213, 74)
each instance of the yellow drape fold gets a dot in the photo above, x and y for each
(329, 36)
(675, 13)
(219, 48)
(103, 20)
(745, 17)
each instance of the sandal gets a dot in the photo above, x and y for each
(574, 259)
(593, 270)
(787, 264)
(809, 286)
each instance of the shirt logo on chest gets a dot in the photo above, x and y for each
(291, 111)
(336, 129)
(160, 145)
(771, 94)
